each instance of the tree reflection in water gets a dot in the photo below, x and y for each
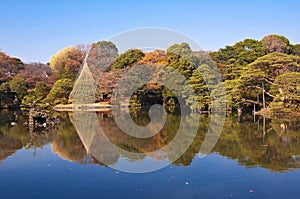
(274, 146)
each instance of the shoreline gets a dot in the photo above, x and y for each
(89, 107)
(267, 112)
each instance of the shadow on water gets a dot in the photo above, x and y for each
(271, 143)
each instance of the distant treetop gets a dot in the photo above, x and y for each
(277, 43)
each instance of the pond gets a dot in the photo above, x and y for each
(254, 157)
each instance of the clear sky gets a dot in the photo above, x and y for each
(34, 30)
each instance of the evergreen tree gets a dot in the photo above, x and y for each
(60, 91)
(231, 60)
(18, 85)
(286, 89)
(196, 92)
(129, 58)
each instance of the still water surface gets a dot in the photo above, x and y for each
(253, 158)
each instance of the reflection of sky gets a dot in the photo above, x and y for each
(146, 163)
(48, 176)
(38, 157)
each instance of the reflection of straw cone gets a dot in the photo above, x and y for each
(85, 128)
(94, 140)
(103, 151)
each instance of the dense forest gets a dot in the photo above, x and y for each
(255, 74)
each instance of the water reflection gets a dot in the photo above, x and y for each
(14, 135)
(264, 142)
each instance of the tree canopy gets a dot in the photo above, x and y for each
(60, 91)
(67, 62)
(296, 49)
(18, 85)
(9, 67)
(250, 69)
(157, 57)
(277, 43)
(128, 58)
(101, 56)
(286, 89)
(232, 59)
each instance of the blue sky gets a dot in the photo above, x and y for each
(35, 30)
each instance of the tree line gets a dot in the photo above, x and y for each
(254, 73)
